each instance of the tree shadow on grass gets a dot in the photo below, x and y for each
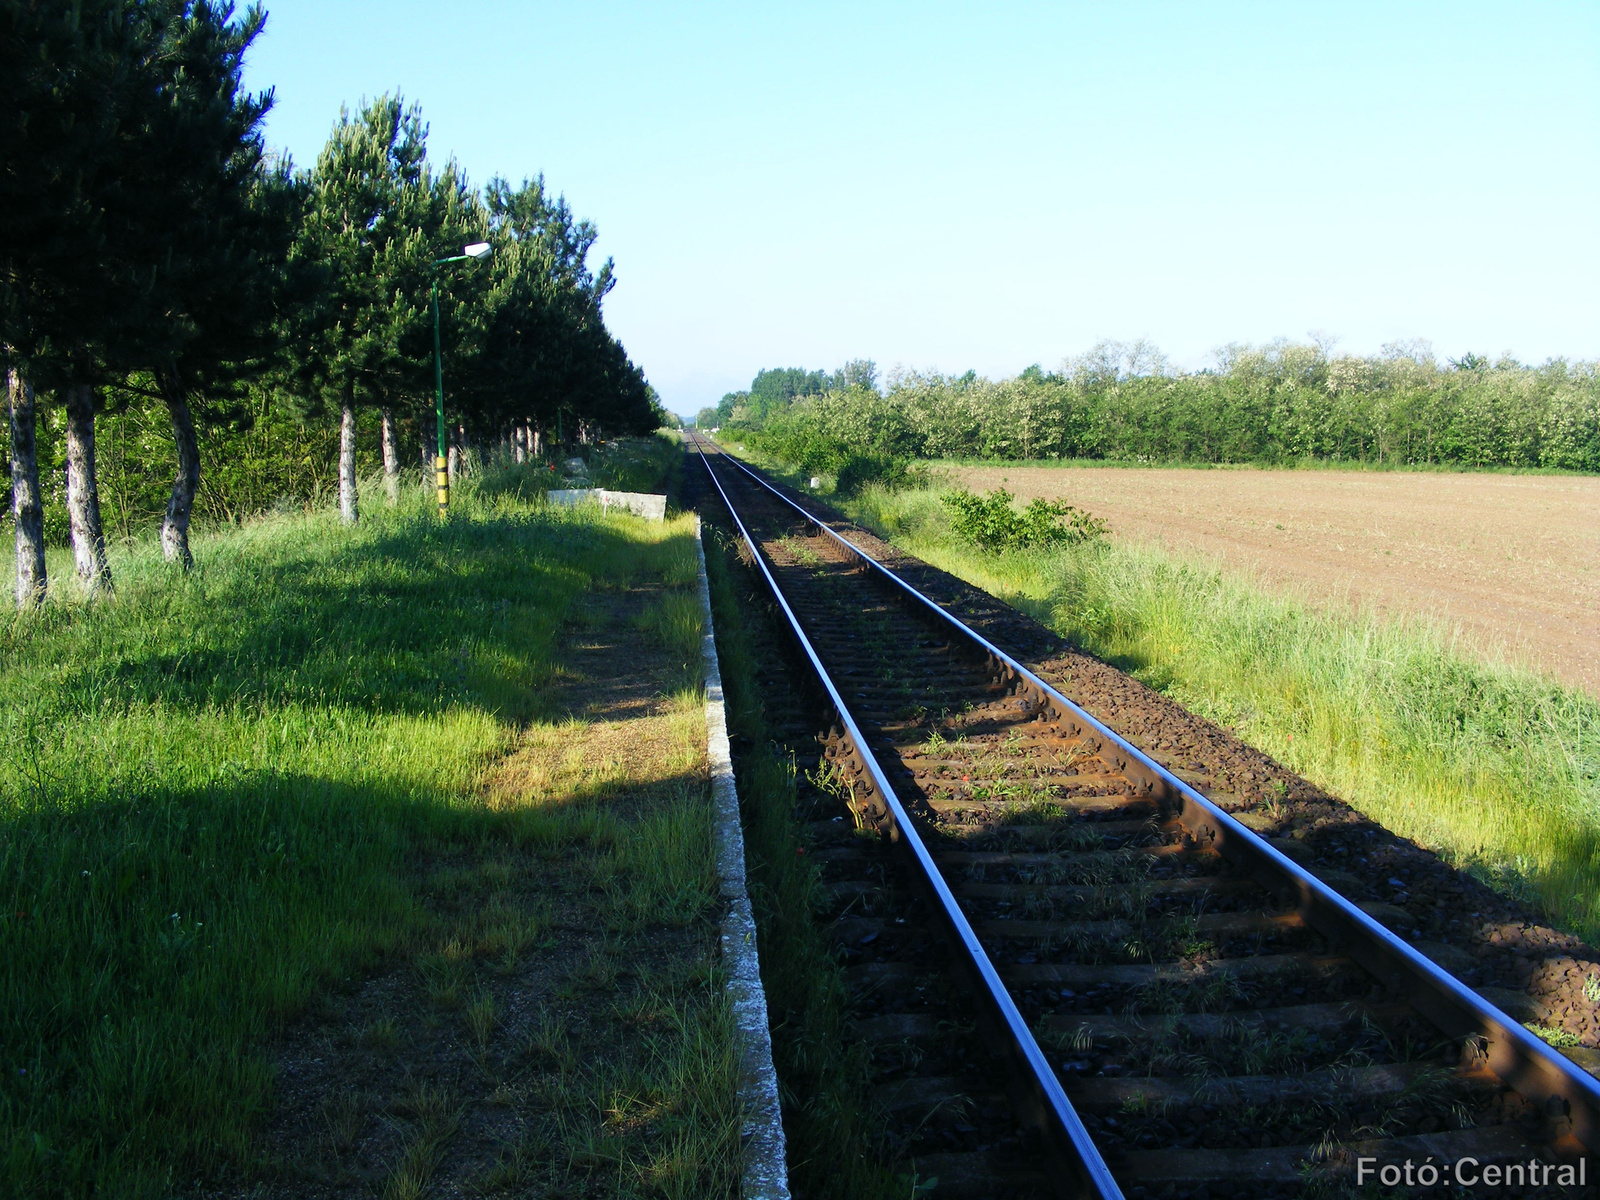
(413, 621)
(151, 938)
(152, 943)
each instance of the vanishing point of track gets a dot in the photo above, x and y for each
(1170, 1004)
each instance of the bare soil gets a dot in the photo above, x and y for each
(1513, 561)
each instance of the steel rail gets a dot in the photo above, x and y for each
(1522, 1061)
(1043, 1100)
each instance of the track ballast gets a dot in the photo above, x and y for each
(1168, 1005)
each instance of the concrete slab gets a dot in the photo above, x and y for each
(640, 504)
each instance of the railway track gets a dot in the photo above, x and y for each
(1080, 976)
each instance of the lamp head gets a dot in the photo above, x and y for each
(478, 250)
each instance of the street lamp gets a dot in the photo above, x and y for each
(441, 464)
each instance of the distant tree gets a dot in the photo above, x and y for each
(547, 361)
(777, 387)
(857, 373)
(729, 402)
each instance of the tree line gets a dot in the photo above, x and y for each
(156, 258)
(1277, 404)
(778, 387)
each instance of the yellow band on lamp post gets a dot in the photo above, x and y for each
(473, 253)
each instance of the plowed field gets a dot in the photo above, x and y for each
(1513, 561)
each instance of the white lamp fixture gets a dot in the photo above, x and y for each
(478, 250)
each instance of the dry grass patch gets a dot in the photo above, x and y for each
(554, 762)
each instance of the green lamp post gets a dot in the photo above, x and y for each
(441, 464)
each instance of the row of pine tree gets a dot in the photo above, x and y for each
(153, 250)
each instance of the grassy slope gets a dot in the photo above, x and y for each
(1497, 767)
(211, 786)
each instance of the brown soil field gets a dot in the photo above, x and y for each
(1512, 561)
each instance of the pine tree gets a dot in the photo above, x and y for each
(83, 492)
(216, 220)
(548, 353)
(136, 244)
(27, 505)
(374, 220)
(71, 78)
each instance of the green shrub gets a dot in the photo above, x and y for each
(635, 464)
(992, 524)
(512, 481)
(858, 470)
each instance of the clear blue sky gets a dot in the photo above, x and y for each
(990, 185)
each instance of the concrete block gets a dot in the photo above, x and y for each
(640, 504)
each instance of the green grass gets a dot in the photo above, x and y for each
(1494, 765)
(636, 464)
(212, 787)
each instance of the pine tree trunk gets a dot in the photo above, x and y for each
(175, 528)
(519, 450)
(27, 504)
(348, 511)
(83, 493)
(535, 440)
(391, 457)
(453, 459)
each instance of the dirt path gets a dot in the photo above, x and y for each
(1514, 560)
(537, 1036)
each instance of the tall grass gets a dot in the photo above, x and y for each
(1495, 765)
(211, 784)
